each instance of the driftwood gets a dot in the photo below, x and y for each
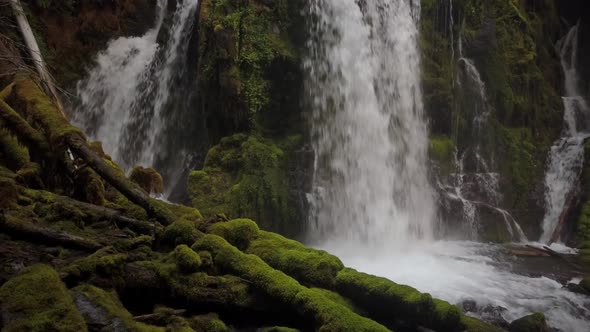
(29, 231)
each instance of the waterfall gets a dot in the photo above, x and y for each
(567, 153)
(368, 127)
(130, 98)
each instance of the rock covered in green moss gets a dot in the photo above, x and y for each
(208, 323)
(104, 309)
(8, 193)
(239, 232)
(181, 232)
(243, 176)
(475, 325)
(585, 284)
(326, 314)
(187, 260)
(310, 266)
(37, 301)
(531, 323)
(148, 179)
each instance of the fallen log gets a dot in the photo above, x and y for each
(30, 232)
(98, 212)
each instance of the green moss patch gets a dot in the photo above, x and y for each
(187, 260)
(38, 301)
(181, 232)
(239, 232)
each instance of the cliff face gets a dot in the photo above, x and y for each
(493, 81)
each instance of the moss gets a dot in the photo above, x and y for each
(243, 177)
(148, 179)
(14, 154)
(585, 283)
(43, 112)
(200, 288)
(106, 262)
(442, 150)
(311, 266)
(38, 301)
(181, 232)
(90, 187)
(117, 314)
(239, 232)
(278, 329)
(532, 323)
(187, 260)
(208, 323)
(476, 325)
(239, 43)
(387, 300)
(327, 315)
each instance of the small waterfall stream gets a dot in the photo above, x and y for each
(136, 99)
(567, 153)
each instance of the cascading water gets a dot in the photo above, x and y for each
(134, 99)
(371, 201)
(369, 131)
(567, 153)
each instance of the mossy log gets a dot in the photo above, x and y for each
(97, 212)
(62, 134)
(35, 233)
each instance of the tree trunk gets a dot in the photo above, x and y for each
(36, 55)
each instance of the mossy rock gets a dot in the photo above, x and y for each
(239, 232)
(104, 308)
(148, 179)
(531, 323)
(181, 232)
(585, 284)
(310, 266)
(37, 301)
(209, 323)
(187, 260)
(244, 176)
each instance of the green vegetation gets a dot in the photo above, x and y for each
(37, 301)
(187, 260)
(244, 176)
